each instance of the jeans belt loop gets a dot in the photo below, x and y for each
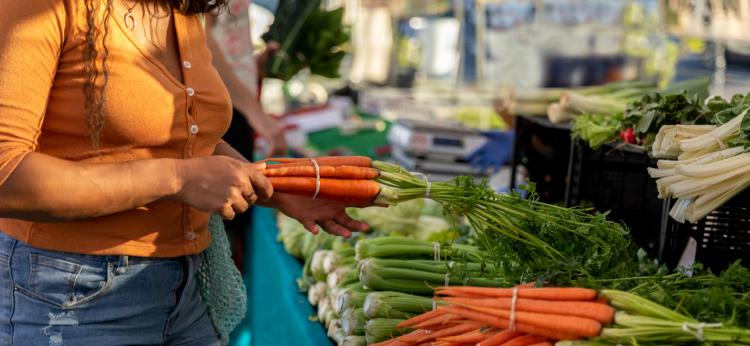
(122, 265)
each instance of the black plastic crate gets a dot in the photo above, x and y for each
(723, 236)
(543, 148)
(615, 179)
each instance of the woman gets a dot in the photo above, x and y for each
(110, 160)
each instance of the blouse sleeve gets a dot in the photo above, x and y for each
(31, 37)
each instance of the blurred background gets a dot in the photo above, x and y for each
(441, 67)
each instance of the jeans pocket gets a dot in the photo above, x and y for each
(65, 282)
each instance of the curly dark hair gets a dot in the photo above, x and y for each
(97, 30)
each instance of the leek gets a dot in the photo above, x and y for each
(395, 305)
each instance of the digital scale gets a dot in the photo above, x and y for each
(437, 147)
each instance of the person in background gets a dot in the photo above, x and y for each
(229, 39)
(111, 159)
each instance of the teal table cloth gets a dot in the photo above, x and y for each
(278, 314)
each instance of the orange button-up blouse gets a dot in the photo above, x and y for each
(148, 114)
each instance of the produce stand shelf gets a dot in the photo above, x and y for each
(544, 149)
(614, 178)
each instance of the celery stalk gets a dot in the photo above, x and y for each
(382, 329)
(353, 322)
(395, 305)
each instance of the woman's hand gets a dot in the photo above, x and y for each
(220, 184)
(312, 213)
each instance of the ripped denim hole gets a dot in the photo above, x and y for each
(54, 328)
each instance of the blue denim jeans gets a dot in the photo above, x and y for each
(54, 298)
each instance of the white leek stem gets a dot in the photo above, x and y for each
(661, 172)
(709, 203)
(688, 155)
(663, 184)
(557, 114)
(694, 184)
(691, 131)
(714, 168)
(710, 157)
(721, 132)
(678, 210)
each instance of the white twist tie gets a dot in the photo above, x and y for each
(317, 178)
(512, 318)
(428, 183)
(436, 251)
(697, 329)
(447, 280)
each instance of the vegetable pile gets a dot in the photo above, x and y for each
(454, 285)
(638, 121)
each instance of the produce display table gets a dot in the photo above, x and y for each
(278, 314)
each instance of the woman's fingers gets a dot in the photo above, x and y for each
(261, 185)
(311, 226)
(227, 212)
(346, 221)
(240, 204)
(333, 227)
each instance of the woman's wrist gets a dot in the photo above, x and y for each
(175, 180)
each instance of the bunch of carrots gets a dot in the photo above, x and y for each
(493, 316)
(344, 178)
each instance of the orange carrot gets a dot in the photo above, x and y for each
(406, 339)
(596, 311)
(360, 161)
(525, 340)
(568, 324)
(503, 323)
(499, 338)
(455, 330)
(392, 342)
(340, 172)
(546, 343)
(352, 190)
(471, 337)
(436, 321)
(531, 284)
(421, 318)
(547, 293)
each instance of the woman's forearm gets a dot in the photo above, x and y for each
(44, 188)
